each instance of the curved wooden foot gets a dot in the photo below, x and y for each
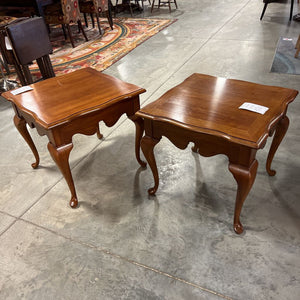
(195, 148)
(73, 202)
(20, 124)
(139, 130)
(99, 134)
(61, 157)
(280, 132)
(147, 145)
(245, 178)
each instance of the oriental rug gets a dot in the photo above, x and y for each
(99, 52)
(284, 60)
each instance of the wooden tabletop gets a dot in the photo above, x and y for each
(62, 98)
(210, 105)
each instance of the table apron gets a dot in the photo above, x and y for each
(205, 144)
(86, 124)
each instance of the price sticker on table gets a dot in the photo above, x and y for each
(254, 107)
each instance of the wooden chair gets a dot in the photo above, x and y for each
(164, 3)
(64, 12)
(130, 5)
(266, 2)
(96, 7)
(297, 47)
(7, 53)
(30, 41)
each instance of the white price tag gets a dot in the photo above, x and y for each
(254, 107)
(21, 90)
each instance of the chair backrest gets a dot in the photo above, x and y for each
(70, 9)
(101, 5)
(29, 39)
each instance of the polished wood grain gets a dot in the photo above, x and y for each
(205, 110)
(74, 103)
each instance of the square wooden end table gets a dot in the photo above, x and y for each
(205, 110)
(62, 106)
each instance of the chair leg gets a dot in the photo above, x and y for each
(175, 4)
(92, 19)
(64, 31)
(70, 34)
(109, 19)
(98, 23)
(264, 9)
(169, 2)
(116, 7)
(291, 11)
(152, 6)
(297, 47)
(85, 20)
(81, 28)
(129, 3)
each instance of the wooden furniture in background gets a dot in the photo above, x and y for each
(266, 2)
(30, 41)
(74, 103)
(96, 7)
(205, 110)
(164, 3)
(64, 12)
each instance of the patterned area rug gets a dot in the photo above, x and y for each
(99, 52)
(284, 60)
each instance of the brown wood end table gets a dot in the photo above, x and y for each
(205, 110)
(73, 103)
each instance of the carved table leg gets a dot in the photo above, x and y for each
(147, 145)
(245, 178)
(20, 124)
(139, 127)
(280, 132)
(61, 157)
(99, 134)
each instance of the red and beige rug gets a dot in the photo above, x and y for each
(100, 52)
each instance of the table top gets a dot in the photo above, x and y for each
(208, 104)
(60, 99)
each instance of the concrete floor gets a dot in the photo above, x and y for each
(121, 244)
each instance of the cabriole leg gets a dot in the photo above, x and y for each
(280, 132)
(245, 178)
(61, 157)
(147, 145)
(139, 127)
(20, 124)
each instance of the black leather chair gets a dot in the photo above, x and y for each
(30, 41)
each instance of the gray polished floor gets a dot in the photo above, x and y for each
(122, 244)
